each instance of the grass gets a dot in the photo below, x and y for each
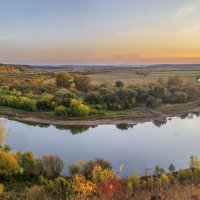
(131, 77)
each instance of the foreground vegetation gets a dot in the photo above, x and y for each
(24, 176)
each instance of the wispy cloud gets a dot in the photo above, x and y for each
(188, 8)
(191, 29)
(13, 36)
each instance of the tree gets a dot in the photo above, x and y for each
(63, 79)
(28, 163)
(175, 81)
(61, 111)
(8, 165)
(171, 168)
(158, 170)
(82, 83)
(49, 166)
(119, 84)
(78, 109)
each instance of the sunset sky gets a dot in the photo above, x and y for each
(99, 31)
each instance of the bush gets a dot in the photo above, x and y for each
(22, 103)
(45, 104)
(61, 111)
(100, 175)
(164, 180)
(184, 175)
(78, 109)
(76, 168)
(133, 183)
(57, 188)
(62, 79)
(35, 193)
(112, 188)
(81, 187)
(153, 102)
(82, 83)
(8, 165)
(49, 166)
(28, 163)
(89, 166)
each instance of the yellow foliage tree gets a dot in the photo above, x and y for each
(82, 187)
(8, 165)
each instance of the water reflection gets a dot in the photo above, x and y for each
(124, 127)
(142, 147)
(159, 123)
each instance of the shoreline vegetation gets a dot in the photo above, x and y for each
(28, 177)
(129, 118)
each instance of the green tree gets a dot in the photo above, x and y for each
(28, 163)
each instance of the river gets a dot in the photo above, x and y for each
(139, 148)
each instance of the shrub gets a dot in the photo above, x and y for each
(133, 183)
(63, 79)
(78, 109)
(164, 180)
(100, 175)
(45, 104)
(82, 187)
(119, 84)
(35, 193)
(184, 175)
(49, 166)
(8, 165)
(28, 163)
(175, 81)
(82, 83)
(89, 166)
(153, 102)
(111, 188)
(76, 168)
(57, 188)
(150, 183)
(61, 111)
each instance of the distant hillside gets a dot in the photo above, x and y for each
(97, 68)
(4, 68)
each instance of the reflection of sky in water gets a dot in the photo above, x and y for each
(142, 146)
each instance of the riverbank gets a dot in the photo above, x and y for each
(132, 116)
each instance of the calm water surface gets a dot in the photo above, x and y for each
(136, 147)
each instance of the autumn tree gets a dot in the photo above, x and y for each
(63, 79)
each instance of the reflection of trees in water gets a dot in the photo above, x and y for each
(159, 123)
(41, 125)
(124, 127)
(190, 115)
(75, 129)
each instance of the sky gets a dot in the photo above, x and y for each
(43, 32)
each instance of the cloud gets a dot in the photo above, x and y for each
(188, 8)
(13, 36)
(191, 29)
